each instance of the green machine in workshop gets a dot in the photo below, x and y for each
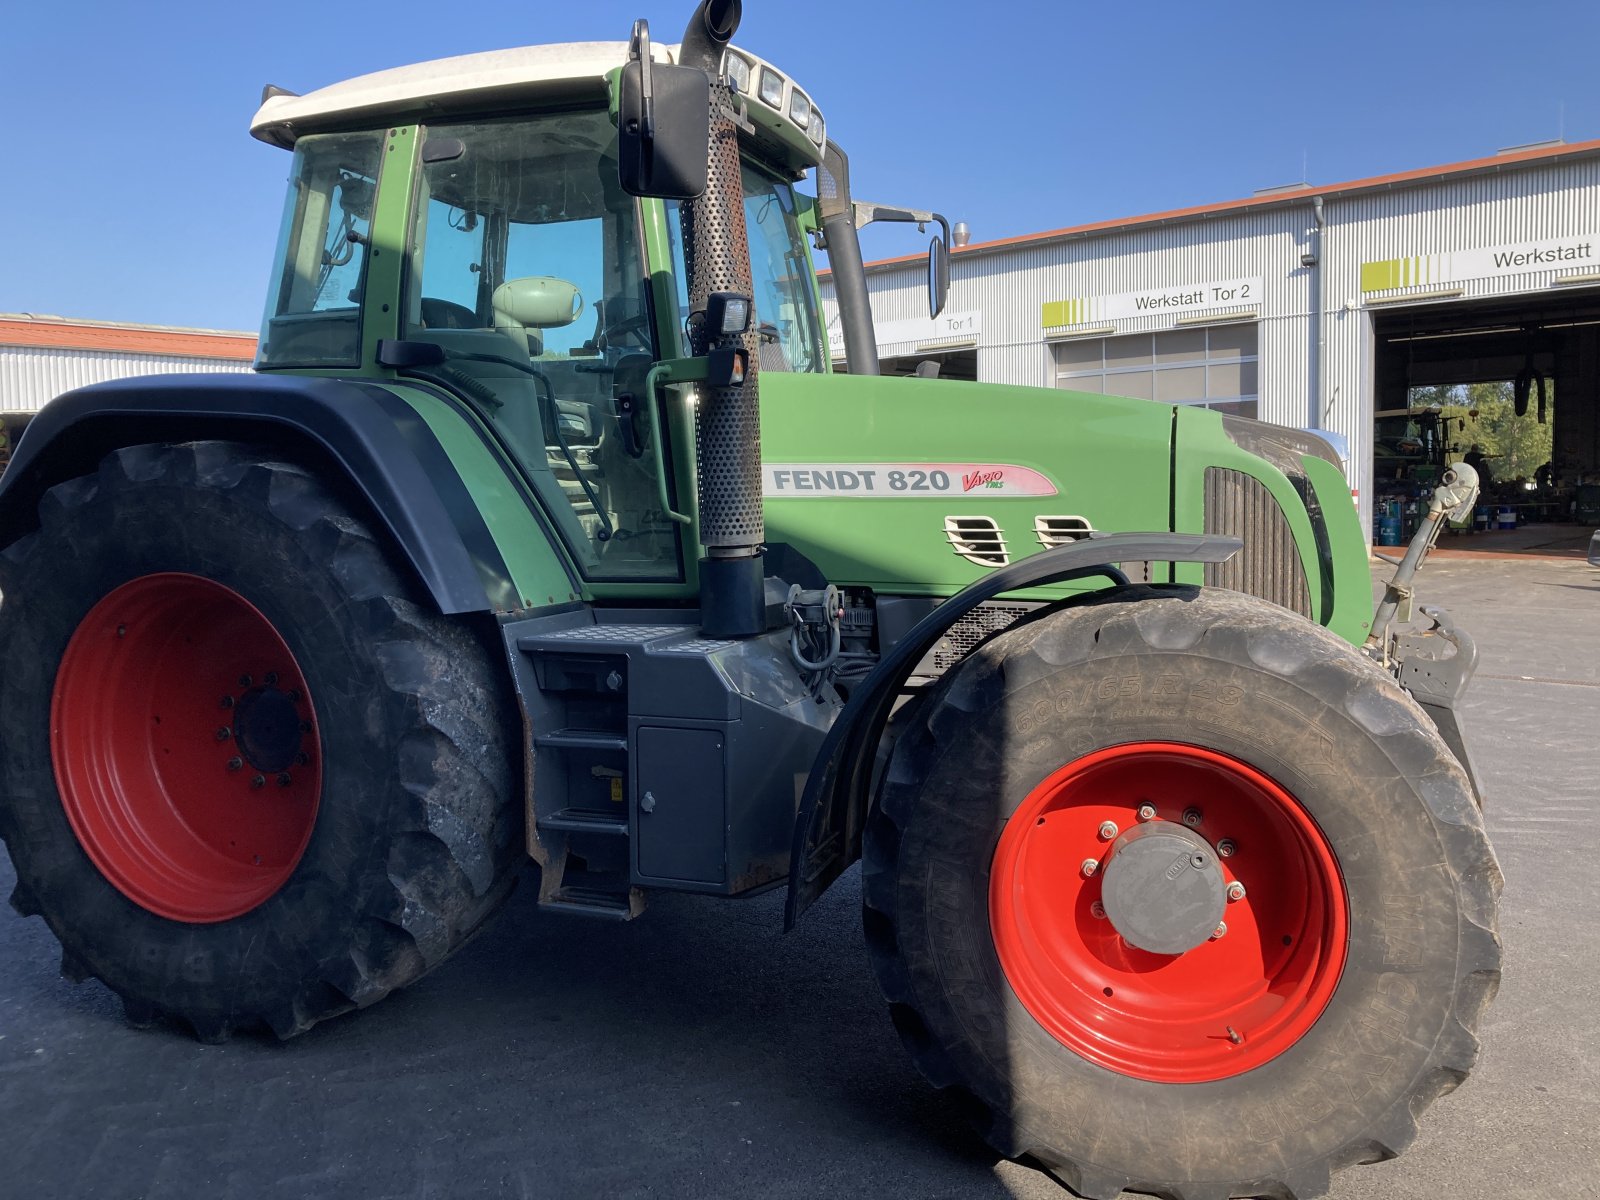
(543, 533)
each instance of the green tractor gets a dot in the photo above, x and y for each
(544, 530)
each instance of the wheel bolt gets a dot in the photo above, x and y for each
(1108, 830)
(1191, 817)
(122, 631)
(245, 681)
(1222, 928)
(283, 779)
(302, 758)
(305, 726)
(1098, 910)
(227, 702)
(1236, 890)
(294, 696)
(270, 679)
(1147, 812)
(1089, 867)
(1226, 848)
(258, 781)
(235, 763)
(224, 733)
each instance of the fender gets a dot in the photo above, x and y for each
(833, 810)
(371, 437)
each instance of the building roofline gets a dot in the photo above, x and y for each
(1535, 156)
(71, 333)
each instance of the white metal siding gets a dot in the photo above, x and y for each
(32, 375)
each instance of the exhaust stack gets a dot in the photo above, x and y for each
(728, 420)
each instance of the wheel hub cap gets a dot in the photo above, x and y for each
(1163, 890)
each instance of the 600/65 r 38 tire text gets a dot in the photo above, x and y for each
(250, 776)
(1183, 896)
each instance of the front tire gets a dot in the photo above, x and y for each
(251, 777)
(1341, 991)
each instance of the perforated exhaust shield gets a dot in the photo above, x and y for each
(728, 422)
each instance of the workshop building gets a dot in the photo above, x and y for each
(1413, 315)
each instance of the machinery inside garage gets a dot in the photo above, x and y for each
(1512, 386)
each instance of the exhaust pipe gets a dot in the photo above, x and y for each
(728, 419)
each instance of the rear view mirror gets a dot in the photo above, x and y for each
(663, 125)
(938, 275)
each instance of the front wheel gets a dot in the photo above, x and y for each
(1183, 896)
(250, 777)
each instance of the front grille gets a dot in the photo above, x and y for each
(1239, 505)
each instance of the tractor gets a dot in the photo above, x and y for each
(545, 540)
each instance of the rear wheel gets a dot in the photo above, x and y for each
(251, 778)
(1182, 896)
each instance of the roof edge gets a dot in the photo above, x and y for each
(65, 333)
(1287, 199)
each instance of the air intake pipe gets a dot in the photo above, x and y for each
(728, 419)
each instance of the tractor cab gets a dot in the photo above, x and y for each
(497, 260)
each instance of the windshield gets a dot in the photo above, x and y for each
(784, 290)
(526, 269)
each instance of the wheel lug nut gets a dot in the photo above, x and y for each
(258, 781)
(283, 779)
(270, 679)
(302, 758)
(122, 631)
(1191, 817)
(305, 726)
(245, 681)
(294, 696)
(1226, 848)
(1108, 830)
(1236, 890)
(1222, 928)
(1089, 867)
(224, 733)
(227, 702)
(235, 763)
(1098, 910)
(1147, 812)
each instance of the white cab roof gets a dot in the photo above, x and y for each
(491, 75)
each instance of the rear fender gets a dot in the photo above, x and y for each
(833, 809)
(371, 438)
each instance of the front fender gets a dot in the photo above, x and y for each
(833, 810)
(365, 433)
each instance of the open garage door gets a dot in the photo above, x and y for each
(1512, 386)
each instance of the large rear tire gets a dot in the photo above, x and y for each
(1335, 998)
(250, 777)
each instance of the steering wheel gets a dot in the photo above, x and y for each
(447, 314)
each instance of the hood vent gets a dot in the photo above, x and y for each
(1060, 531)
(977, 539)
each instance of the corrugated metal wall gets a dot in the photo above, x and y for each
(1524, 202)
(32, 375)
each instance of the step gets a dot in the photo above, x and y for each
(589, 902)
(582, 739)
(579, 820)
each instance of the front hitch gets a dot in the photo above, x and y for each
(1436, 662)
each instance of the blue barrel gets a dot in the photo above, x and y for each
(1507, 517)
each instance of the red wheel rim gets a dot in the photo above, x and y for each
(1225, 1007)
(185, 748)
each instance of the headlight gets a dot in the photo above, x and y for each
(814, 130)
(772, 88)
(799, 108)
(737, 69)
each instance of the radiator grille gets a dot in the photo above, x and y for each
(960, 639)
(1239, 505)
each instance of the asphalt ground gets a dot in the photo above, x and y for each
(701, 1052)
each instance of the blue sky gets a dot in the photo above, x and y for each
(131, 189)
